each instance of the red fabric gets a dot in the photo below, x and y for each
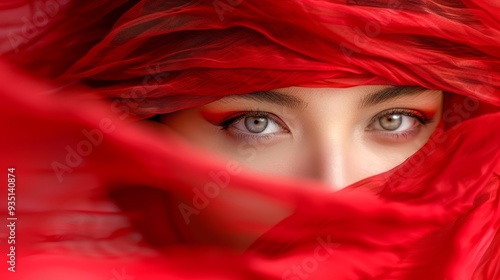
(112, 211)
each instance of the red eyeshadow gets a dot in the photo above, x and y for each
(217, 117)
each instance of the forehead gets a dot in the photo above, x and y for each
(361, 96)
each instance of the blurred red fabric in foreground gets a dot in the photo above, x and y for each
(101, 196)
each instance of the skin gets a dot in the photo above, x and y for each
(327, 134)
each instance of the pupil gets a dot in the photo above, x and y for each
(256, 124)
(391, 122)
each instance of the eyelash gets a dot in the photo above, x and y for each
(225, 124)
(401, 111)
(421, 118)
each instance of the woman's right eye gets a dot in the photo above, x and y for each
(254, 124)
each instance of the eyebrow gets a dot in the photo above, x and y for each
(372, 99)
(388, 94)
(272, 97)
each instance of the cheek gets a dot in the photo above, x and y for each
(279, 158)
(377, 158)
(376, 164)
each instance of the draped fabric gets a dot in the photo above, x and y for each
(101, 194)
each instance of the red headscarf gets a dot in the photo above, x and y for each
(100, 197)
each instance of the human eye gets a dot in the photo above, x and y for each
(253, 124)
(398, 123)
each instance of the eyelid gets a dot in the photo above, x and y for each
(234, 117)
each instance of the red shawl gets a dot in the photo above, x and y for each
(99, 195)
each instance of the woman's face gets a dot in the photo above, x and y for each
(338, 136)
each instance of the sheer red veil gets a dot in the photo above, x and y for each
(102, 195)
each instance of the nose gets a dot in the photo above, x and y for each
(336, 160)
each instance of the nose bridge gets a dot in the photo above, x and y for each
(334, 152)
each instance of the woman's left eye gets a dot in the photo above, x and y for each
(254, 123)
(398, 121)
(395, 123)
